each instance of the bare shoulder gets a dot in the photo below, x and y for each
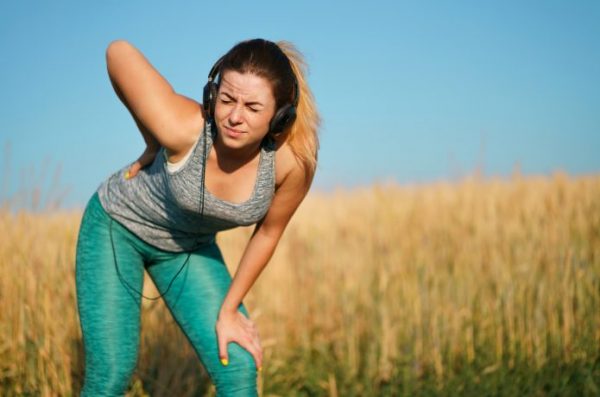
(285, 163)
(291, 188)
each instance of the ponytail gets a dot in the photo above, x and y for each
(302, 134)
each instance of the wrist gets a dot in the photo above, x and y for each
(226, 311)
(152, 148)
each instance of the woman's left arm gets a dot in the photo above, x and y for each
(232, 325)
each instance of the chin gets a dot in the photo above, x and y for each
(230, 141)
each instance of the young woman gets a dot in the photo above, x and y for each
(247, 155)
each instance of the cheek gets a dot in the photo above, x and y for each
(265, 116)
(260, 121)
(220, 111)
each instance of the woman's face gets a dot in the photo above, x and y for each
(244, 108)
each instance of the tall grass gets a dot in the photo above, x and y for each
(481, 287)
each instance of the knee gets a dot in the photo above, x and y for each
(236, 382)
(238, 378)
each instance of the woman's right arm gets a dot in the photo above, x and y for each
(151, 142)
(152, 145)
(164, 117)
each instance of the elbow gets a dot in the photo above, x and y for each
(114, 47)
(117, 43)
(272, 235)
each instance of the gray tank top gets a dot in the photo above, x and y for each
(163, 207)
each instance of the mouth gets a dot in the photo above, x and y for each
(233, 132)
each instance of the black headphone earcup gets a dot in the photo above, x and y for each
(283, 118)
(209, 98)
(206, 99)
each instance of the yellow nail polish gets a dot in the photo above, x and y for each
(224, 361)
(127, 175)
(260, 369)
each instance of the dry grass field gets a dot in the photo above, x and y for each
(476, 288)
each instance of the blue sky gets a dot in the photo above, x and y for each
(412, 92)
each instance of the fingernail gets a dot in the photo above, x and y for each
(127, 175)
(260, 369)
(224, 361)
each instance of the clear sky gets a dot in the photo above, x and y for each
(411, 92)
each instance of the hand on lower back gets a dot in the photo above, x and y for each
(145, 159)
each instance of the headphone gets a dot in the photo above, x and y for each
(284, 116)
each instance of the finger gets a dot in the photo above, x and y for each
(253, 331)
(251, 346)
(146, 159)
(253, 334)
(260, 351)
(258, 355)
(249, 327)
(223, 356)
(133, 170)
(248, 323)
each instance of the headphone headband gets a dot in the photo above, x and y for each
(214, 71)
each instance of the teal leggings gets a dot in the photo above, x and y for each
(109, 311)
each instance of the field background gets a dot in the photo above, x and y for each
(480, 287)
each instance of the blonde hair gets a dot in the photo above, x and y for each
(302, 135)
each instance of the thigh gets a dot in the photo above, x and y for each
(109, 312)
(194, 299)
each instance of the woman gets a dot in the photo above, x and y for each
(246, 155)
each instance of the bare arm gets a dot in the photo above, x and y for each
(164, 117)
(152, 145)
(151, 142)
(231, 324)
(265, 237)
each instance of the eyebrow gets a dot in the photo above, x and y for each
(251, 103)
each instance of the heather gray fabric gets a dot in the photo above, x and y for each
(163, 207)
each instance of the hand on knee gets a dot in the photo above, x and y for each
(235, 327)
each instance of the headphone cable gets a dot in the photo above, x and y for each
(129, 285)
(202, 188)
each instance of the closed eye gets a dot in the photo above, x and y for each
(226, 98)
(252, 106)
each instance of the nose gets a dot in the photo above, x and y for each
(235, 116)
